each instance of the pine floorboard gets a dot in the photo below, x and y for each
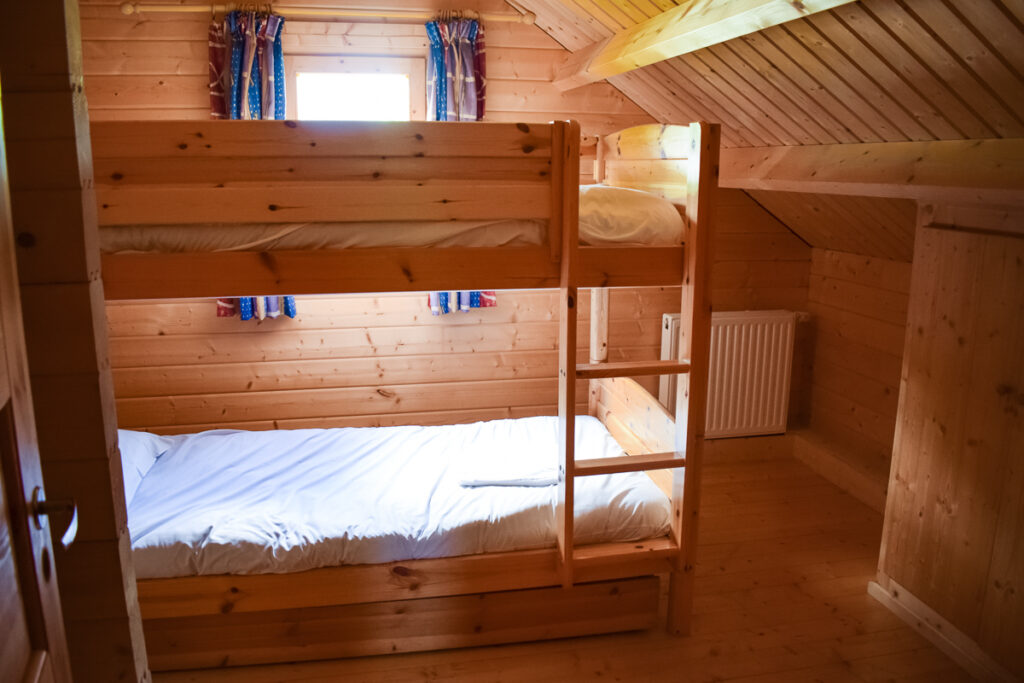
(783, 567)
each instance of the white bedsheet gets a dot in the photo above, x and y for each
(303, 236)
(235, 502)
(608, 216)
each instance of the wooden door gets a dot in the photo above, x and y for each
(32, 643)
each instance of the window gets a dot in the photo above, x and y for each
(356, 88)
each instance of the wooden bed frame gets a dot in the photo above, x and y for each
(272, 171)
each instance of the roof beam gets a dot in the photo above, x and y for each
(690, 26)
(958, 171)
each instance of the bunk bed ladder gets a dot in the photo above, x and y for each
(565, 173)
(691, 366)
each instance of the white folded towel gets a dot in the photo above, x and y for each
(507, 476)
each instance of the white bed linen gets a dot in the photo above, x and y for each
(608, 216)
(235, 502)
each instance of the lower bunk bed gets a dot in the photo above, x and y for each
(255, 547)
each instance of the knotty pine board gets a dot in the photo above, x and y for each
(953, 521)
(860, 308)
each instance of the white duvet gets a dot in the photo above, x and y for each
(236, 502)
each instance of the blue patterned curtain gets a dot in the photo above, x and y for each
(455, 92)
(456, 72)
(247, 82)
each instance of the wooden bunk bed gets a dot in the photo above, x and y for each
(201, 173)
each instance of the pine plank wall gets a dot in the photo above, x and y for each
(370, 360)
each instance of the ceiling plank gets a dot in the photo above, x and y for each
(686, 28)
(964, 171)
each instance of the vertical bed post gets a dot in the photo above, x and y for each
(694, 345)
(598, 338)
(598, 304)
(565, 186)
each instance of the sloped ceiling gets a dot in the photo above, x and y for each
(870, 71)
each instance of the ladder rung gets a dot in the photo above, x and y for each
(610, 553)
(632, 369)
(628, 463)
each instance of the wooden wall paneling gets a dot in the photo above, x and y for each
(58, 267)
(952, 522)
(384, 352)
(860, 308)
(155, 66)
(873, 226)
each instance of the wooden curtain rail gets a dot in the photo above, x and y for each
(320, 14)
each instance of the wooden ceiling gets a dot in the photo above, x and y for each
(870, 71)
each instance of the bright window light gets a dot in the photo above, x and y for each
(321, 96)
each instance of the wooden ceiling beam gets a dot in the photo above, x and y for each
(685, 28)
(959, 171)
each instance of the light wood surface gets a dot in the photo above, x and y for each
(383, 628)
(871, 226)
(34, 647)
(942, 633)
(869, 71)
(677, 31)
(53, 214)
(155, 66)
(694, 347)
(165, 599)
(783, 567)
(859, 305)
(977, 171)
(953, 517)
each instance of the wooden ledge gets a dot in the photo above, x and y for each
(631, 369)
(628, 463)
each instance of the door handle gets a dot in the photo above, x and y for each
(41, 509)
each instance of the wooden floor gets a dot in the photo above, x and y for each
(784, 563)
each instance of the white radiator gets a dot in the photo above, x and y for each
(748, 381)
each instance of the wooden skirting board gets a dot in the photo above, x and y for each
(841, 469)
(938, 630)
(402, 626)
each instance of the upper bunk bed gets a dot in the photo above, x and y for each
(396, 186)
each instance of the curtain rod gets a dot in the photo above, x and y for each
(314, 13)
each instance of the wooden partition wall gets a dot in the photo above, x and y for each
(952, 560)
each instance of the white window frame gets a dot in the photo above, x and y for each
(414, 67)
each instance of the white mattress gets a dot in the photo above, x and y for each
(236, 502)
(608, 216)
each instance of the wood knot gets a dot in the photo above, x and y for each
(26, 240)
(528, 148)
(523, 127)
(290, 124)
(117, 176)
(183, 145)
(401, 571)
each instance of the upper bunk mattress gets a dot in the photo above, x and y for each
(608, 216)
(237, 502)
